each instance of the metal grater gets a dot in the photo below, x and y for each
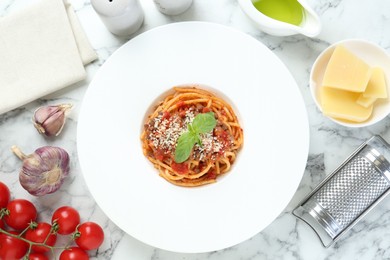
(347, 194)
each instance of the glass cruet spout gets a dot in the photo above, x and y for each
(282, 17)
(311, 25)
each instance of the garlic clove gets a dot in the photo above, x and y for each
(50, 120)
(43, 171)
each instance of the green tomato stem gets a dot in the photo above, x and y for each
(31, 243)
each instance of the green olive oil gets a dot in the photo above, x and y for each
(289, 11)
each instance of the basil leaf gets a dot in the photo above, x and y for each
(184, 146)
(198, 140)
(204, 123)
(191, 129)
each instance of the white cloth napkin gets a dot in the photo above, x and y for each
(43, 48)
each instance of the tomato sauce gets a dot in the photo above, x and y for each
(180, 168)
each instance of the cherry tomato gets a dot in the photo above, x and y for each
(1, 224)
(4, 195)
(37, 256)
(39, 234)
(11, 247)
(89, 236)
(74, 253)
(21, 213)
(67, 219)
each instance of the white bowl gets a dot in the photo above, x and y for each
(373, 55)
(127, 186)
(311, 25)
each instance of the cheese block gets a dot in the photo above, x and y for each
(342, 104)
(376, 87)
(346, 71)
(365, 101)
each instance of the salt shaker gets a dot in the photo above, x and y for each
(121, 17)
(172, 7)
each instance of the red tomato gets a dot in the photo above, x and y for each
(211, 175)
(37, 256)
(206, 110)
(166, 115)
(180, 104)
(182, 113)
(221, 133)
(223, 137)
(180, 168)
(4, 195)
(89, 236)
(42, 232)
(1, 224)
(67, 219)
(11, 247)
(74, 253)
(159, 154)
(20, 213)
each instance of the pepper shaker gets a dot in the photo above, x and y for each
(172, 7)
(121, 17)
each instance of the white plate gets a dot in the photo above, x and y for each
(264, 177)
(373, 55)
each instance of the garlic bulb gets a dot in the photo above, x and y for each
(43, 171)
(49, 120)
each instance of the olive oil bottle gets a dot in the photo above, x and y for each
(288, 11)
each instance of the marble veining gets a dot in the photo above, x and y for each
(286, 237)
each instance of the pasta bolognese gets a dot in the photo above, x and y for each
(194, 119)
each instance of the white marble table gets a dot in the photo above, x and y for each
(330, 144)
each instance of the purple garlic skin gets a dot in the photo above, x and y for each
(49, 120)
(43, 171)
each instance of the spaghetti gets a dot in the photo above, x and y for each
(210, 158)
